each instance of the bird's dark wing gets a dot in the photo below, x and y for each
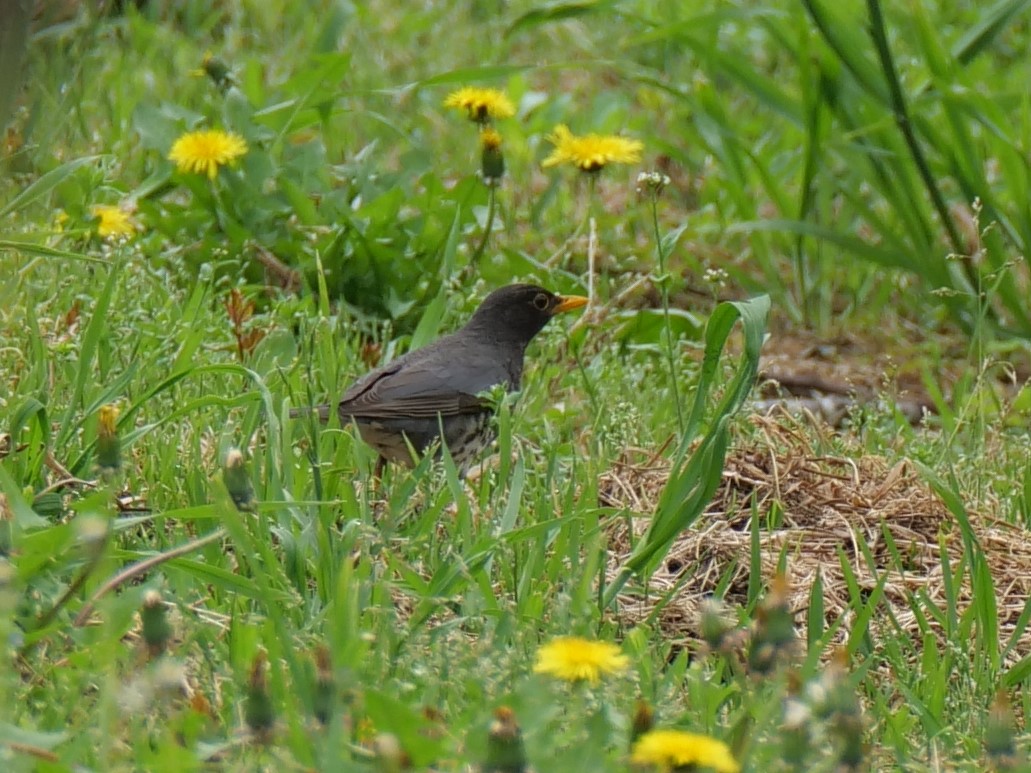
(420, 386)
(454, 404)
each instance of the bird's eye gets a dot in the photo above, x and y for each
(541, 301)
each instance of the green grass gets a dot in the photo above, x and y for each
(824, 158)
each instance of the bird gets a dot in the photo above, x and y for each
(406, 404)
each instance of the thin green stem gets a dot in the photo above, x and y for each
(142, 567)
(591, 237)
(554, 257)
(97, 552)
(663, 280)
(489, 227)
(901, 114)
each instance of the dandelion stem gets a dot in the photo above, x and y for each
(98, 553)
(553, 259)
(489, 227)
(142, 567)
(592, 238)
(663, 280)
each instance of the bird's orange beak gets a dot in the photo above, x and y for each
(568, 303)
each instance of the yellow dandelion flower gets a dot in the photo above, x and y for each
(203, 152)
(114, 221)
(481, 104)
(592, 152)
(576, 660)
(674, 749)
(108, 419)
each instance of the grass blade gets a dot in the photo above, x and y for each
(45, 184)
(692, 484)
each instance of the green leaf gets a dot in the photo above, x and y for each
(31, 248)
(227, 580)
(160, 125)
(1018, 673)
(12, 734)
(556, 12)
(24, 516)
(45, 184)
(692, 484)
(411, 727)
(27, 410)
(815, 618)
(991, 25)
(429, 322)
(15, 32)
(91, 336)
(467, 75)
(647, 326)
(853, 244)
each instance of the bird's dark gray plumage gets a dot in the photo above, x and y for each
(438, 385)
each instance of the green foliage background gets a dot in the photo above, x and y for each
(835, 166)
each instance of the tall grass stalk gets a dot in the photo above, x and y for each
(654, 188)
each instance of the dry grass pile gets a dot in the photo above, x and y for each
(831, 509)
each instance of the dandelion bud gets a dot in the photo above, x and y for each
(774, 634)
(7, 578)
(217, 70)
(505, 751)
(156, 628)
(795, 726)
(999, 736)
(492, 160)
(258, 712)
(325, 687)
(715, 626)
(109, 446)
(6, 525)
(238, 480)
(92, 532)
(834, 698)
(435, 727)
(390, 757)
(643, 721)
(10, 635)
(838, 697)
(849, 728)
(201, 706)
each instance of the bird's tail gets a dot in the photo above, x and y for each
(321, 410)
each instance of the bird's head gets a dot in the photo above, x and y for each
(520, 311)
